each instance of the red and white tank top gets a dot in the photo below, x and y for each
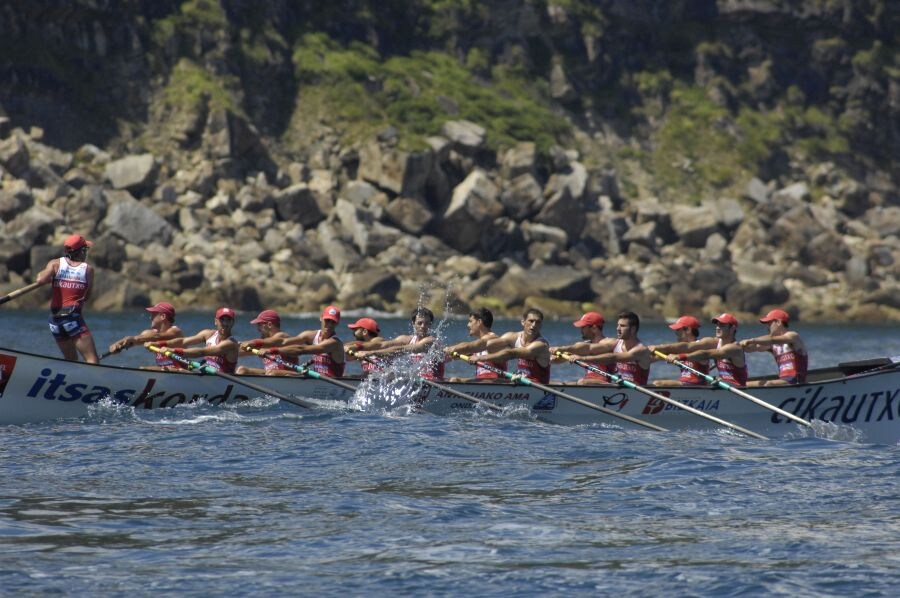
(482, 373)
(432, 368)
(730, 373)
(270, 364)
(530, 368)
(630, 370)
(218, 362)
(323, 363)
(792, 364)
(689, 378)
(609, 368)
(70, 285)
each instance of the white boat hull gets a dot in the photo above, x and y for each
(863, 407)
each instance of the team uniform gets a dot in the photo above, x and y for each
(70, 284)
(730, 373)
(323, 363)
(218, 362)
(530, 368)
(689, 378)
(792, 365)
(432, 368)
(483, 373)
(630, 370)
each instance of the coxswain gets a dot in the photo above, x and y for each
(162, 328)
(687, 334)
(530, 350)
(326, 348)
(629, 355)
(485, 341)
(268, 324)
(728, 353)
(592, 341)
(419, 346)
(785, 345)
(366, 335)
(220, 350)
(71, 277)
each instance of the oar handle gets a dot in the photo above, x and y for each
(190, 364)
(19, 292)
(303, 370)
(491, 367)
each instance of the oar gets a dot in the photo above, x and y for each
(432, 383)
(205, 369)
(738, 392)
(629, 384)
(302, 369)
(19, 292)
(105, 355)
(562, 395)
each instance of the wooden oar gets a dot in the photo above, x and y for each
(433, 384)
(629, 384)
(563, 395)
(205, 369)
(738, 392)
(305, 371)
(19, 292)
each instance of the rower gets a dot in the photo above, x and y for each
(630, 356)
(486, 340)
(687, 333)
(592, 342)
(785, 345)
(728, 353)
(530, 350)
(220, 349)
(72, 278)
(268, 324)
(418, 346)
(366, 335)
(162, 328)
(326, 348)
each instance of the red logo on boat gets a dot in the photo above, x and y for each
(7, 364)
(654, 406)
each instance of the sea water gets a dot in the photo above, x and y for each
(268, 499)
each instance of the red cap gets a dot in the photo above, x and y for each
(367, 323)
(686, 322)
(162, 308)
(76, 242)
(776, 314)
(591, 318)
(331, 313)
(225, 312)
(725, 319)
(267, 315)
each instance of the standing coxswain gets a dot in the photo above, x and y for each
(71, 277)
(162, 328)
(220, 350)
(326, 348)
(268, 324)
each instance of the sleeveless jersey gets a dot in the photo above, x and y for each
(609, 368)
(218, 362)
(792, 365)
(433, 368)
(630, 370)
(482, 373)
(269, 363)
(70, 285)
(689, 378)
(323, 363)
(530, 368)
(730, 373)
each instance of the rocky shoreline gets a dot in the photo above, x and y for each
(373, 226)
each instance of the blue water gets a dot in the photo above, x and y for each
(266, 499)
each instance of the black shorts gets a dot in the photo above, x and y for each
(67, 326)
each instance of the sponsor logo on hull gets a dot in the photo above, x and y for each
(876, 405)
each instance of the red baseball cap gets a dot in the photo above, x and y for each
(725, 319)
(685, 322)
(162, 308)
(76, 242)
(591, 318)
(225, 312)
(267, 315)
(776, 314)
(367, 323)
(331, 313)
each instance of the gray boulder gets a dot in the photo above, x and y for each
(135, 223)
(403, 173)
(411, 215)
(298, 203)
(14, 156)
(474, 204)
(555, 282)
(34, 226)
(522, 197)
(466, 136)
(15, 198)
(356, 287)
(693, 224)
(518, 160)
(132, 173)
(370, 236)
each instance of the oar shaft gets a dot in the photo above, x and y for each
(193, 365)
(737, 391)
(563, 395)
(303, 370)
(668, 401)
(19, 292)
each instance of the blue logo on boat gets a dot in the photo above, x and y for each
(546, 403)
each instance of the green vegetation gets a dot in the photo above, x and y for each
(192, 15)
(354, 89)
(189, 85)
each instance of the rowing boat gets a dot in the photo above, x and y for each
(860, 398)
